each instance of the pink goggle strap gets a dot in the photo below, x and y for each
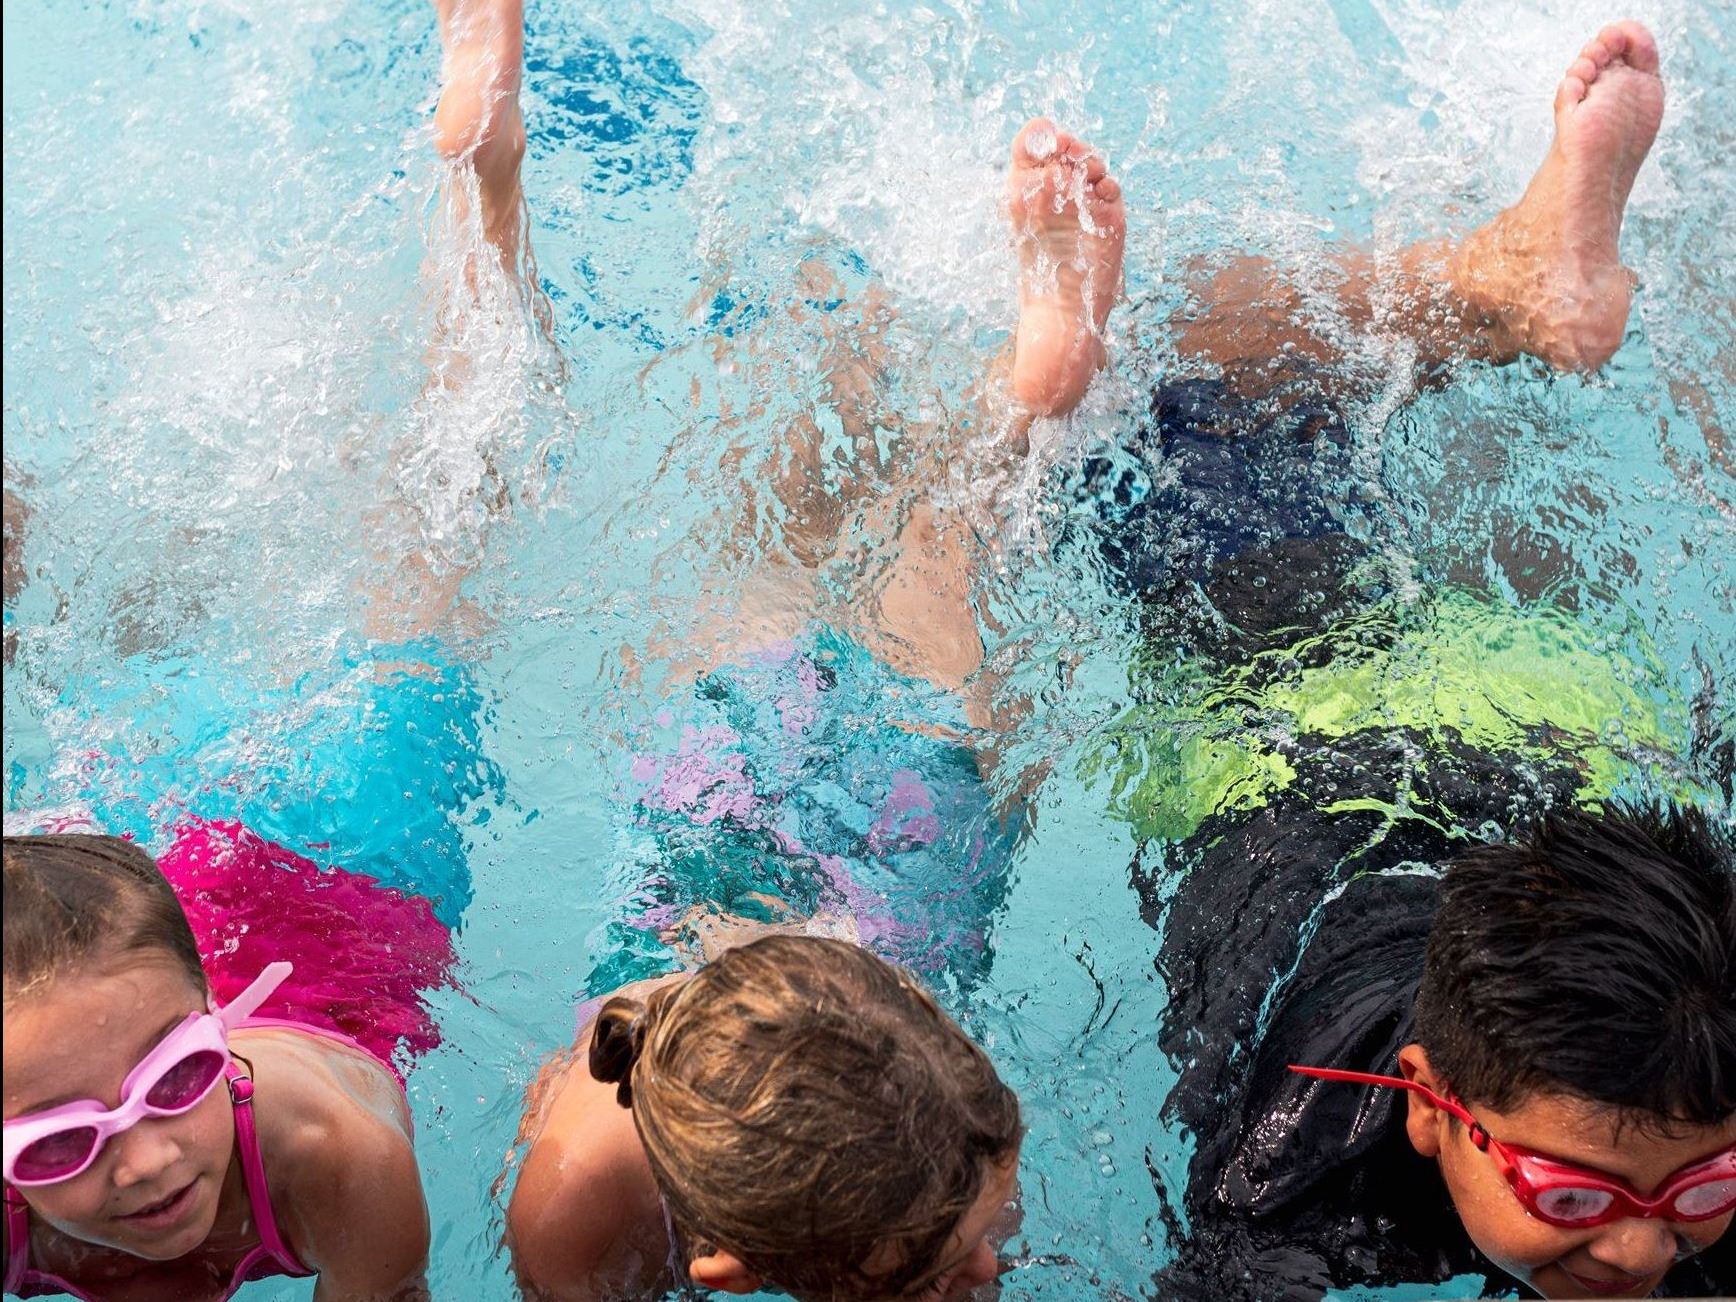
(131, 1110)
(245, 1004)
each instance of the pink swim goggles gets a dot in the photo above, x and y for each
(173, 1078)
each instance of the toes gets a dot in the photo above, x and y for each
(1569, 93)
(1049, 188)
(1107, 214)
(1037, 142)
(1063, 183)
(1633, 44)
(1056, 175)
(1106, 218)
(1584, 69)
(1597, 53)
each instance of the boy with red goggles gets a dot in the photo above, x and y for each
(1524, 1069)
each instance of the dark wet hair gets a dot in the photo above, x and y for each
(74, 899)
(809, 1108)
(1594, 956)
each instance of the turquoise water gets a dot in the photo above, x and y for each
(222, 251)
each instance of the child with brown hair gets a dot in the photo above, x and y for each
(798, 1114)
(159, 1144)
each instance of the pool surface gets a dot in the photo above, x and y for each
(221, 235)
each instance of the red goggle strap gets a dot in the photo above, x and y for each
(1452, 1107)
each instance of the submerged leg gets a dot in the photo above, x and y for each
(445, 467)
(1069, 226)
(1544, 278)
(912, 524)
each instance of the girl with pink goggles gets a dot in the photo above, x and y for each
(57, 1144)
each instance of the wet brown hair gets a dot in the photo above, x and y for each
(73, 899)
(809, 1108)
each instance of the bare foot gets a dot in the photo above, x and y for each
(1548, 270)
(1070, 225)
(478, 119)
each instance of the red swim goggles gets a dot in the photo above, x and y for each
(1575, 1197)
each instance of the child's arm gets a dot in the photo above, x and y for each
(584, 1221)
(567, 1219)
(334, 1132)
(369, 1233)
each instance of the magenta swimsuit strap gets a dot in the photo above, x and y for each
(17, 1240)
(272, 1250)
(271, 1257)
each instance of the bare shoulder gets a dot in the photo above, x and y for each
(311, 1092)
(335, 1135)
(563, 1080)
(584, 1217)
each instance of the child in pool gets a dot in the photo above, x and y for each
(798, 1114)
(1298, 1187)
(1542, 278)
(158, 1145)
(1551, 1026)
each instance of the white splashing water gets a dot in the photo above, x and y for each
(1478, 118)
(879, 133)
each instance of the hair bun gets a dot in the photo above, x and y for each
(617, 1036)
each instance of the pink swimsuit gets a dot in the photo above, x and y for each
(271, 1257)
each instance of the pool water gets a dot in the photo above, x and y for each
(223, 254)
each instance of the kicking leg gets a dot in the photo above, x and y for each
(1544, 278)
(909, 596)
(478, 119)
(447, 458)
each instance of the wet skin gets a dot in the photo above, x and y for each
(1626, 1258)
(164, 1209)
(120, 1017)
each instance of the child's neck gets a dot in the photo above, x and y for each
(123, 1277)
(234, 1232)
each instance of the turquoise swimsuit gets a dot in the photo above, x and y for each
(372, 764)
